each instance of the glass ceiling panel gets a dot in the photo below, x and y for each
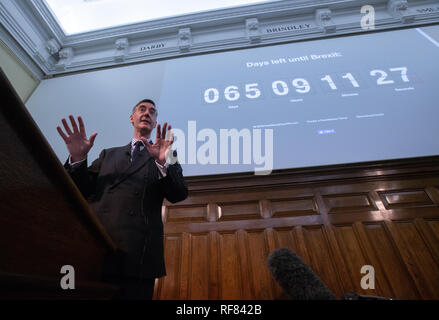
(77, 16)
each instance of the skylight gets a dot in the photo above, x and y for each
(77, 16)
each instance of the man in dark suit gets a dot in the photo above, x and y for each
(126, 187)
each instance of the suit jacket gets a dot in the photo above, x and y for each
(127, 198)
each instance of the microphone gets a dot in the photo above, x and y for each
(297, 279)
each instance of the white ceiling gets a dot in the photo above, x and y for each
(77, 16)
(48, 46)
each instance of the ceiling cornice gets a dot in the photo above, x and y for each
(38, 36)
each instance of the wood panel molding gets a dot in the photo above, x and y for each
(336, 218)
(393, 199)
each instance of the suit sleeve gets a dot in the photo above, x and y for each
(86, 178)
(174, 186)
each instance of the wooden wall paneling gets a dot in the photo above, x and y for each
(392, 265)
(230, 278)
(214, 265)
(164, 213)
(185, 265)
(409, 261)
(383, 213)
(186, 213)
(169, 287)
(411, 213)
(284, 238)
(408, 203)
(320, 257)
(273, 244)
(293, 239)
(231, 225)
(340, 283)
(406, 198)
(427, 269)
(212, 212)
(291, 207)
(348, 202)
(198, 280)
(351, 207)
(382, 284)
(431, 239)
(257, 253)
(434, 226)
(245, 265)
(265, 208)
(239, 210)
(300, 244)
(433, 192)
(271, 239)
(353, 256)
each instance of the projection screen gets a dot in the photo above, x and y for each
(367, 97)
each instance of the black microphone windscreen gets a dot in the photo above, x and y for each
(297, 279)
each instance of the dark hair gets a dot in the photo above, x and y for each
(144, 100)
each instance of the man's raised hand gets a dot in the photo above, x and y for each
(76, 139)
(161, 147)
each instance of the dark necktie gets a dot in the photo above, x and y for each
(136, 151)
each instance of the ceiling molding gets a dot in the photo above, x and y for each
(40, 10)
(41, 43)
(21, 54)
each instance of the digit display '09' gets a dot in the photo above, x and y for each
(299, 85)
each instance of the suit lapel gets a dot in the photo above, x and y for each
(127, 168)
(123, 159)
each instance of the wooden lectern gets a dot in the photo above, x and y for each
(45, 223)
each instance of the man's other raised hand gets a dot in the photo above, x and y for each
(76, 139)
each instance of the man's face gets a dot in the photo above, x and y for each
(144, 117)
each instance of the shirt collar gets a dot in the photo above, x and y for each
(134, 140)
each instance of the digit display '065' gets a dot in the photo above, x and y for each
(300, 85)
(231, 93)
